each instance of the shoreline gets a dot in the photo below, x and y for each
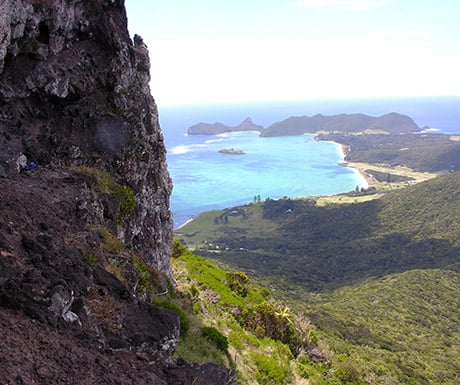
(361, 172)
(344, 150)
(186, 222)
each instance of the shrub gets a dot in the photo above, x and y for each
(127, 200)
(144, 276)
(177, 248)
(237, 281)
(216, 337)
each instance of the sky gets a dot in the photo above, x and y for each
(220, 51)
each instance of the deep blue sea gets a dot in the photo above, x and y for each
(273, 168)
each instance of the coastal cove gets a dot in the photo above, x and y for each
(295, 166)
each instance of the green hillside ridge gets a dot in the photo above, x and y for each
(220, 128)
(325, 247)
(378, 281)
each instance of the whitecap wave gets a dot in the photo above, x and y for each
(430, 130)
(214, 140)
(183, 149)
(179, 150)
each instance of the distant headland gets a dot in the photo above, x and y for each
(220, 128)
(391, 123)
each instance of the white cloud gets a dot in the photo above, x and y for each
(351, 5)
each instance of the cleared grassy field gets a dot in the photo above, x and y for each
(217, 223)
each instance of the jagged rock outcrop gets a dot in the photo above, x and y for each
(85, 226)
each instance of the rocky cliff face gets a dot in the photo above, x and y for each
(85, 226)
(74, 91)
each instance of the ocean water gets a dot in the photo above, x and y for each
(276, 167)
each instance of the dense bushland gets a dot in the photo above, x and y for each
(422, 152)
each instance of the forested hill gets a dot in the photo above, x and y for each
(422, 152)
(335, 245)
(392, 123)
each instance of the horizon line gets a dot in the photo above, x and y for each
(308, 99)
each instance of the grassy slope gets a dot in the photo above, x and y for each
(203, 292)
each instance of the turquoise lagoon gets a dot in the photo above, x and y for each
(295, 166)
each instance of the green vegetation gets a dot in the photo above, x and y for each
(346, 123)
(272, 369)
(363, 293)
(111, 243)
(261, 338)
(144, 277)
(325, 247)
(402, 328)
(91, 259)
(127, 200)
(177, 248)
(237, 281)
(183, 317)
(150, 283)
(430, 152)
(194, 347)
(216, 337)
(106, 244)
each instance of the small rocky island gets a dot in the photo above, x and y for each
(232, 151)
